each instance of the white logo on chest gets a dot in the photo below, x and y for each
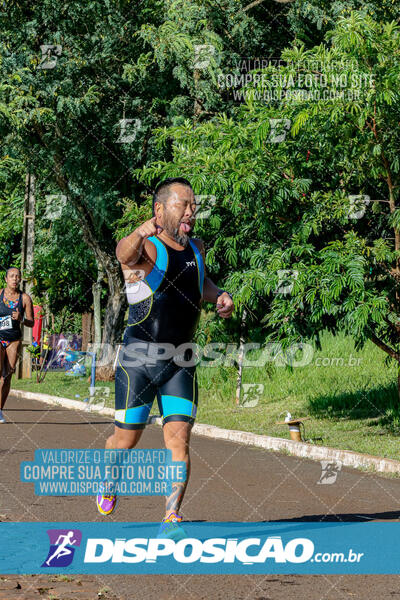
(190, 263)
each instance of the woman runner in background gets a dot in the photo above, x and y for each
(14, 304)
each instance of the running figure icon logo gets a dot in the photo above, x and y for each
(62, 547)
(330, 471)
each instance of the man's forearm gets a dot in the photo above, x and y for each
(210, 291)
(129, 249)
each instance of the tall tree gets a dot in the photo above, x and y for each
(307, 220)
(83, 86)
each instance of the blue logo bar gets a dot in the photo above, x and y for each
(200, 548)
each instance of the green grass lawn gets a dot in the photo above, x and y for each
(350, 396)
(352, 406)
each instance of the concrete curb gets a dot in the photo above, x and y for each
(65, 402)
(301, 449)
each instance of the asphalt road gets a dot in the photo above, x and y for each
(229, 482)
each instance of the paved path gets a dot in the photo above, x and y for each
(229, 482)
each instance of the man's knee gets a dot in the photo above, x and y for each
(178, 444)
(125, 438)
(177, 432)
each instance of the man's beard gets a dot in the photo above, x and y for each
(174, 231)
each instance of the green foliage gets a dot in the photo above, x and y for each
(117, 60)
(292, 206)
(311, 19)
(284, 196)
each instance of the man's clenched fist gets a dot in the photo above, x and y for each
(148, 229)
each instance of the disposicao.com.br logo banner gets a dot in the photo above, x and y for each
(200, 548)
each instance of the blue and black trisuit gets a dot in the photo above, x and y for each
(164, 310)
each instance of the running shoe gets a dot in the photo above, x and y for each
(171, 528)
(105, 502)
(2, 418)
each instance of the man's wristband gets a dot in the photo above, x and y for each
(223, 292)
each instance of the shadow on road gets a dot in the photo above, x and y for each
(362, 517)
(57, 423)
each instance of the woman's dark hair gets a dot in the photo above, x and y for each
(162, 191)
(11, 268)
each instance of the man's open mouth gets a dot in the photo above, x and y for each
(186, 227)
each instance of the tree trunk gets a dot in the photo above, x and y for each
(104, 253)
(386, 348)
(197, 105)
(24, 368)
(112, 330)
(96, 288)
(398, 381)
(86, 330)
(240, 356)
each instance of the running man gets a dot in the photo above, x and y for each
(164, 270)
(62, 550)
(13, 306)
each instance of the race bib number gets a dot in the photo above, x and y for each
(5, 322)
